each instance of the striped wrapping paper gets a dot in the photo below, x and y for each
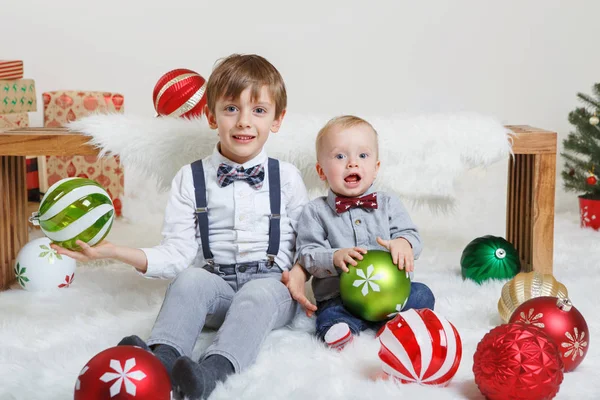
(11, 69)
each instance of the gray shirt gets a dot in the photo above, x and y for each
(322, 231)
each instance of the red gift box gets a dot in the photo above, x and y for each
(33, 179)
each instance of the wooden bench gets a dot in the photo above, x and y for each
(14, 146)
(530, 197)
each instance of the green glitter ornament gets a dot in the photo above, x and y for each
(489, 257)
(375, 289)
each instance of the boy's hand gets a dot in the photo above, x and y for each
(402, 254)
(102, 250)
(294, 280)
(350, 255)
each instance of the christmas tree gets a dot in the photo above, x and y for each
(582, 148)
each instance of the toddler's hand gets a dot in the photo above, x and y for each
(102, 250)
(348, 256)
(294, 280)
(402, 254)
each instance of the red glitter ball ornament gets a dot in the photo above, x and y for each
(517, 362)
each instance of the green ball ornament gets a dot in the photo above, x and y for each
(75, 209)
(374, 290)
(489, 257)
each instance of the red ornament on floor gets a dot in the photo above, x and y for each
(562, 322)
(123, 372)
(517, 362)
(180, 93)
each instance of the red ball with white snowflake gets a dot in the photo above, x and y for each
(420, 346)
(123, 372)
(562, 322)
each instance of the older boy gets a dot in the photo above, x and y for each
(232, 216)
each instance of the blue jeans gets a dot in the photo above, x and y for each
(332, 311)
(244, 301)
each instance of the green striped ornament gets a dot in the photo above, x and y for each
(489, 257)
(76, 209)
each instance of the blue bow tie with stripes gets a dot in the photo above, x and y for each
(255, 175)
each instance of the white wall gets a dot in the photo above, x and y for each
(521, 61)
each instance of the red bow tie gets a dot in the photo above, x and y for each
(343, 204)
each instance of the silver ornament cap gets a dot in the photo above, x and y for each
(564, 304)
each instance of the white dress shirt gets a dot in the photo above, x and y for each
(238, 219)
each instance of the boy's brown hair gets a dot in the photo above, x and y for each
(342, 122)
(233, 74)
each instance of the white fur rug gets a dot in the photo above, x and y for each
(47, 338)
(422, 155)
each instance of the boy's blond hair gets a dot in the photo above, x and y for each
(343, 122)
(233, 74)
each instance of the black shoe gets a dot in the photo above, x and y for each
(134, 340)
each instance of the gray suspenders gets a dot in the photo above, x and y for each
(274, 218)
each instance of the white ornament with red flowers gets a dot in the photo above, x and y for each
(40, 268)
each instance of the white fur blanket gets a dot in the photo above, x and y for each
(421, 156)
(47, 338)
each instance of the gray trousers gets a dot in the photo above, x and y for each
(245, 301)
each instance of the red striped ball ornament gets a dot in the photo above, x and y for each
(420, 346)
(180, 93)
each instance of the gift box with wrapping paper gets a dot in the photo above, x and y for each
(33, 180)
(61, 107)
(17, 96)
(11, 69)
(21, 120)
(14, 121)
